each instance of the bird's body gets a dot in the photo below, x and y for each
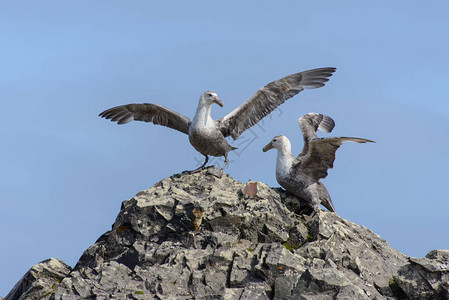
(302, 175)
(209, 142)
(208, 136)
(204, 134)
(291, 177)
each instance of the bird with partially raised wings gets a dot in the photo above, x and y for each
(302, 175)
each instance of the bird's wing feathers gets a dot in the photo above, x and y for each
(268, 98)
(148, 112)
(321, 155)
(326, 124)
(309, 124)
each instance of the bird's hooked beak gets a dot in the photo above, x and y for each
(268, 147)
(218, 101)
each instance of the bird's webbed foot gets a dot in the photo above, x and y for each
(195, 171)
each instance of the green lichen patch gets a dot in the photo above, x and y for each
(391, 282)
(236, 243)
(290, 245)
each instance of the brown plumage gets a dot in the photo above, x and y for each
(302, 175)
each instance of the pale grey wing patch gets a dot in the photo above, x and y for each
(321, 155)
(148, 112)
(121, 116)
(316, 78)
(355, 140)
(126, 119)
(327, 124)
(268, 98)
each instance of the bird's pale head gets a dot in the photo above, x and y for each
(278, 142)
(211, 97)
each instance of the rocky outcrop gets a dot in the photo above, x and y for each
(40, 281)
(201, 237)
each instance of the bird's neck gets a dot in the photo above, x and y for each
(202, 115)
(285, 159)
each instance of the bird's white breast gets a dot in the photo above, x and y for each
(283, 165)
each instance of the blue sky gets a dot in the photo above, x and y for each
(65, 171)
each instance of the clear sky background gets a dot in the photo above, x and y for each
(65, 171)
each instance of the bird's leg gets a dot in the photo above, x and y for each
(225, 162)
(205, 162)
(202, 166)
(220, 172)
(315, 211)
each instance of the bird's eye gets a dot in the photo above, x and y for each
(210, 94)
(274, 140)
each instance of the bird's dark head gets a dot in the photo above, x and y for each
(211, 97)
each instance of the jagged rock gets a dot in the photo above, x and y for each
(201, 237)
(40, 281)
(439, 255)
(424, 278)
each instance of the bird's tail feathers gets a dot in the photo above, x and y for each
(325, 199)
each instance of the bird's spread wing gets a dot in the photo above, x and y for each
(321, 155)
(148, 112)
(268, 98)
(309, 124)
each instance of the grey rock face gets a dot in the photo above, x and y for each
(40, 281)
(201, 237)
(424, 278)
